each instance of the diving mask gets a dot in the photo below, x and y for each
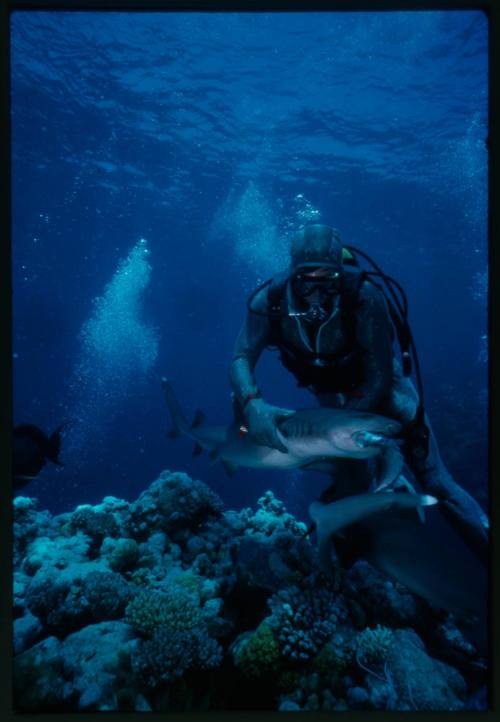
(326, 281)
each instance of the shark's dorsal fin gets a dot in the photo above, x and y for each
(197, 449)
(199, 418)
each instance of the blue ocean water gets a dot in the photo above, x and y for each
(160, 164)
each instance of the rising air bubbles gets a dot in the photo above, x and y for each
(257, 229)
(118, 348)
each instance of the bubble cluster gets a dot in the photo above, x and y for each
(259, 231)
(117, 348)
(302, 213)
(304, 210)
(248, 223)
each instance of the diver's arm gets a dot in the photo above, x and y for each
(375, 336)
(262, 419)
(253, 337)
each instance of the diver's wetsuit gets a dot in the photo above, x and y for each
(376, 384)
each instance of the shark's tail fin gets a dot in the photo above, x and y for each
(179, 421)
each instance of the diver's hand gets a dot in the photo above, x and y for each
(263, 420)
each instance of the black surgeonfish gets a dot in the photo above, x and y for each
(31, 448)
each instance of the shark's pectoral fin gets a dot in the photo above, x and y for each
(229, 467)
(324, 465)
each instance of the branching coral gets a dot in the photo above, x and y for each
(171, 652)
(259, 654)
(174, 608)
(97, 524)
(107, 594)
(372, 645)
(304, 620)
(176, 633)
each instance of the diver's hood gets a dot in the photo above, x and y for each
(316, 245)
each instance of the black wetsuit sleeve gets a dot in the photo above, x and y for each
(375, 338)
(253, 337)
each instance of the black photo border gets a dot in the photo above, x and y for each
(491, 9)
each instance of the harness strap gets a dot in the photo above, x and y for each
(278, 309)
(277, 306)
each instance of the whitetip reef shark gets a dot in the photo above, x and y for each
(313, 438)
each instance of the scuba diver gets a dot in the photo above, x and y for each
(334, 324)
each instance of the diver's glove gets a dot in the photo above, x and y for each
(263, 420)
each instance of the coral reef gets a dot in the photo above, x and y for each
(172, 603)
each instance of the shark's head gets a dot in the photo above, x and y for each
(362, 434)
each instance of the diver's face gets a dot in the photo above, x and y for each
(318, 297)
(316, 286)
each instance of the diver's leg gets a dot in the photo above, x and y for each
(461, 510)
(458, 506)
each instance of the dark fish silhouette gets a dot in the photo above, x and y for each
(31, 448)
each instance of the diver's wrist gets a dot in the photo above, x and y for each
(254, 396)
